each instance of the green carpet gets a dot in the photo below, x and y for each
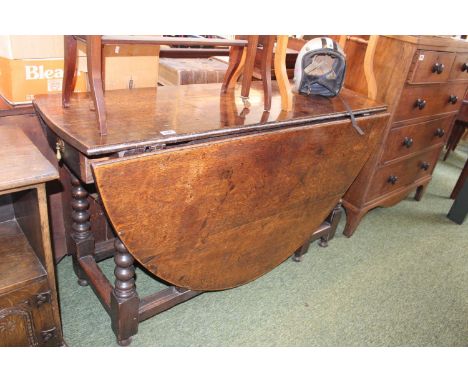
(401, 280)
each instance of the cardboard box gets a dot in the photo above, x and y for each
(21, 79)
(135, 66)
(127, 66)
(31, 65)
(28, 47)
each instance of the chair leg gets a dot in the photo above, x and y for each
(70, 58)
(281, 73)
(103, 69)
(231, 76)
(249, 66)
(267, 55)
(94, 59)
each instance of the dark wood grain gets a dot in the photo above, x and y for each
(26, 317)
(18, 263)
(168, 52)
(138, 117)
(29, 313)
(70, 66)
(95, 79)
(27, 215)
(22, 163)
(6, 208)
(29, 124)
(216, 215)
(263, 174)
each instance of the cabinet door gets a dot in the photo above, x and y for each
(26, 317)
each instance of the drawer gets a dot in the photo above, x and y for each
(430, 67)
(392, 177)
(459, 70)
(412, 138)
(427, 100)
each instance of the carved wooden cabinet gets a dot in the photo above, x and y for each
(29, 313)
(423, 80)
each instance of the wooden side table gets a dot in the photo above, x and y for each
(29, 312)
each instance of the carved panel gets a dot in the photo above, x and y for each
(16, 327)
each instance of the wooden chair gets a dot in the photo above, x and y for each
(284, 43)
(94, 47)
(245, 52)
(368, 65)
(242, 61)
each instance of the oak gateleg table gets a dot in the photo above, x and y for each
(202, 192)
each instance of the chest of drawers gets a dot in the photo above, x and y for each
(423, 80)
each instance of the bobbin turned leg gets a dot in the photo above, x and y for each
(124, 298)
(333, 219)
(82, 243)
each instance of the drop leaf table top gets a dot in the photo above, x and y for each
(174, 114)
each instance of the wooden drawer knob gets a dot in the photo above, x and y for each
(425, 166)
(392, 179)
(464, 67)
(438, 68)
(439, 132)
(420, 103)
(408, 142)
(453, 99)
